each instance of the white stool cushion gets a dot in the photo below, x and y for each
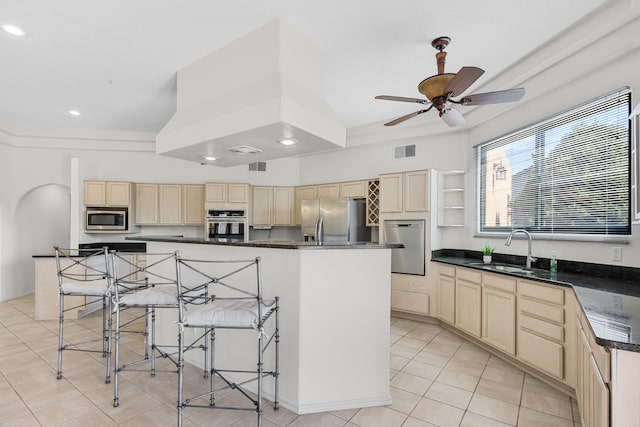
(89, 287)
(157, 295)
(228, 313)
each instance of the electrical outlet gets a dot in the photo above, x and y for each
(616, 253)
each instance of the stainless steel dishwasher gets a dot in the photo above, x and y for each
(410, 259)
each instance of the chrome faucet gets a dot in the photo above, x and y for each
(530, 258)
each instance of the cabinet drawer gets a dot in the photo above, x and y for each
(499, 282)
(447, 270)
(545, 355)
(410, 301)
(549, 330)
(542, 293)
(469, 275)
(542, 310)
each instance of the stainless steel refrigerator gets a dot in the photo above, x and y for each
(335, 220)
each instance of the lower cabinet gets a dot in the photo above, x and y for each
(409, 294)
(447, 293)
(469, 301)
(499, 312)
(541, 318)
(592, 390)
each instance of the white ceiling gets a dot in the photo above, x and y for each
(115, 61)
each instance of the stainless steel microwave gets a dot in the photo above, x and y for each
(106, 219)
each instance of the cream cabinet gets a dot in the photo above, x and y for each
(272, 206)
(409, 294)
(468, 313)
(404, 192)
(107, 193)
(593, 377)
(169, 204)
(499, 312)
(446, 293)
(146, 204)
(328, 191)
(353, 189)
(261, 205)
(227, 192)
(193, 204)
(541, 319)
(283, 206)
(307, 192)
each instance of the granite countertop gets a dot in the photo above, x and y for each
(609, 295)
(115, 246)
(273, 244)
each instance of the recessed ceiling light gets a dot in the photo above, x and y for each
(12, 29)
(288, 141)
(74, 112)
(210, 158)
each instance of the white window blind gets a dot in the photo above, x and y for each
(566, 175)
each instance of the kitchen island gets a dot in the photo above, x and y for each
(334, 318)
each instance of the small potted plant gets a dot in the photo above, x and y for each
(486, 254)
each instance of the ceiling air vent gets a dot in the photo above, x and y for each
(244, 149)
(258, 166)
(404, 151)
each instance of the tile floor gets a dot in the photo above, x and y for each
(437, 379)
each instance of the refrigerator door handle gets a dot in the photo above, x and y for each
(319, 231)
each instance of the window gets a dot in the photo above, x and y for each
(566, 175)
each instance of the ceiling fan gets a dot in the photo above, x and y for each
(440, 88)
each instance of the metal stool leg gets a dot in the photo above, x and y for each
(108, 338)
(276, 402)
(153, 338)
(180, 372)
(116, 363)
(61, 322)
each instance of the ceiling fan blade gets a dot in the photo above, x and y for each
(452, 117)
(461, 82)
(402, 99)
(407, 117)
(510, 95)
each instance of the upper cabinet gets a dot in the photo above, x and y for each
(272, 206)
(353, 189)
(193, 204)
(329, 191)
(107, 193)
(169, 204)
(451, 198)
(307, 192)
(404, 192)
(227, 192)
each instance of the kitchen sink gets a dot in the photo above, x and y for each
(506, 268)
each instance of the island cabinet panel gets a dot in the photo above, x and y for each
(468, 306)
(146, 204)
(499, 312)
(446, 294)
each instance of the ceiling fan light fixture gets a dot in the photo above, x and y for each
(434, 86)
(451, 117)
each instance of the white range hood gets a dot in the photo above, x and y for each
(250, 94)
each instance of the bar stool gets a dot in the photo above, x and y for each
(84, 272)
(143, 280)
(237, 304)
